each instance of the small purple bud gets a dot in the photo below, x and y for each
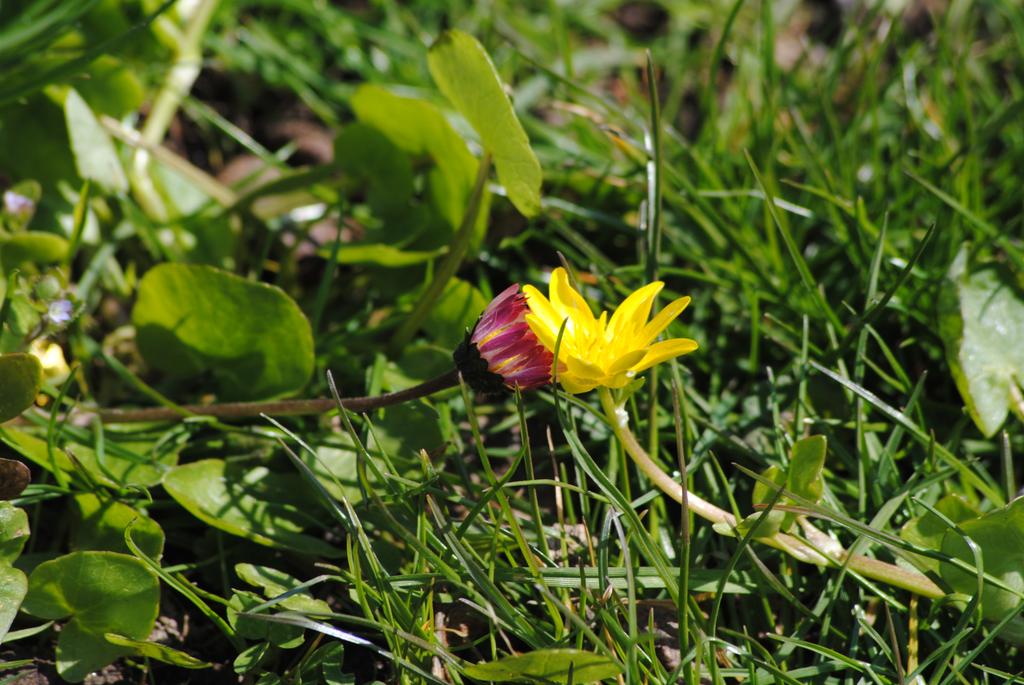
(60, 311)
(17, 204)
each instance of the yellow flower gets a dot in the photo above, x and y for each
(51, 357)
(602, 351)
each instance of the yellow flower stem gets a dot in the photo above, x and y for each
(823, 552)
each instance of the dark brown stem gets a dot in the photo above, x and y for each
(241, 410)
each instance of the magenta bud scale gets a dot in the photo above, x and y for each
(501, 352)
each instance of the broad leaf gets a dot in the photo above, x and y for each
(31, 248)
(251, 337)
(456, 310)
(21, 375)
(547, 664)
(13, 586)
(927, 530)
(805, 465)
(463, 71)
(269, 508)
(120, 465)
(1000, 535)
(252, 628)
(403, 431)
(324, 667)
(981, 321)
(368, 155)
(95, 155)
(763, 494)
(418, 128)
(274, 583)
(14, 532)
(100, 524)
(100, 592)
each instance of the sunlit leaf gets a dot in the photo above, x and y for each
(14, 532)
(21, 375)
(456, 310)
(250, 336)
(547, 664)
(419, 129)
(268, 508)
(928, 530)
(157, 651)
(99, 592)
(463, 71)
(95, 155)
(32, 247)
(805, 465)
(118, 467)
(100, 524)
(274, 582)
(981, 321)
(1000, 535)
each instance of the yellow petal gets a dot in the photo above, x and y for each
(573, 385)
(542, 310)
(619, 380)
(569, 303)
(666, 349)
(661, 321)
(632, 314)
(543, 332)
(581, 368)
(627, 361)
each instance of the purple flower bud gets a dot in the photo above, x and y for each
(17, 204)
(60, 312)
(501, 351)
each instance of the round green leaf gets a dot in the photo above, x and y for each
(100, 524)
(253, 503)
(251, 337)
(101, 592)
(13, 586)
(14, 532)
(20, 377)
(981, 321)
(1000, 535)
(463, 71)
(547, 664)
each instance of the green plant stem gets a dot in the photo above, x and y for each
(450, 263)
(826, 553)
(242, 410)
